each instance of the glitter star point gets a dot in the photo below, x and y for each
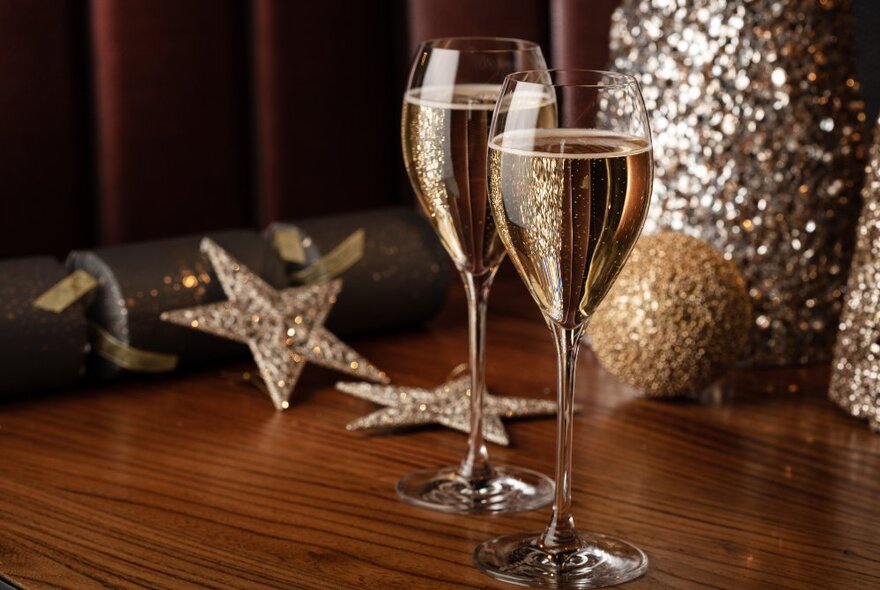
(447, 405)
(284, 329)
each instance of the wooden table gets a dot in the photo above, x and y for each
(193, 481)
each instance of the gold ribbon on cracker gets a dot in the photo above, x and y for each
(66, 292)
(111, 349)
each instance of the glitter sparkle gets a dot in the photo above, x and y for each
(284, 329)
(759, 147)
(448, 405)
(855, 377)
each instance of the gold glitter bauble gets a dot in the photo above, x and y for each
(760, 144)
(855, 378)
(675, 320)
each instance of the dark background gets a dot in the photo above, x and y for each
(123, 120)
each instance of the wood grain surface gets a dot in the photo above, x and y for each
(193, 481)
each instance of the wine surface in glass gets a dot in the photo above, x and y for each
(445, 134)
(570, 205)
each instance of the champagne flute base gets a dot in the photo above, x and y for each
(598, 562)
(508, 489)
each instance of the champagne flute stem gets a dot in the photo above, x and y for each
(560, 534)
(475, 465)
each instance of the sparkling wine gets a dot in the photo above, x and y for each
(445, 134)
(570, 204)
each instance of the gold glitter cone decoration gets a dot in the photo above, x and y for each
(855, 377)
(448, 405)
(284, 329)
(758, 139)
(676, 319)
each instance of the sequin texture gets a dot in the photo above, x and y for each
(759, 146)
(855, 377)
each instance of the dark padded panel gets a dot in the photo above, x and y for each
(579, 29)
(525, 19)
(171, 101)
(326, 107)
(181, 147)
(867, 23)
(43, 150)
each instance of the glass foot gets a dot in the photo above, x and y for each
(600, 561)
(510, 489)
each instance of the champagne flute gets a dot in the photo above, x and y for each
(569, 200)
(447, 108)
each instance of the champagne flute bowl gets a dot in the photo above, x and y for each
(447, 108)
(569, 195)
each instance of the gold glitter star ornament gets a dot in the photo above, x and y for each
(283, 329)
(448, 405)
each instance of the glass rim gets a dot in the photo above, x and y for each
(624, 80)
(519, 44)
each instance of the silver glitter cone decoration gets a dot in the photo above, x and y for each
(855, 377)
(758, 139)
